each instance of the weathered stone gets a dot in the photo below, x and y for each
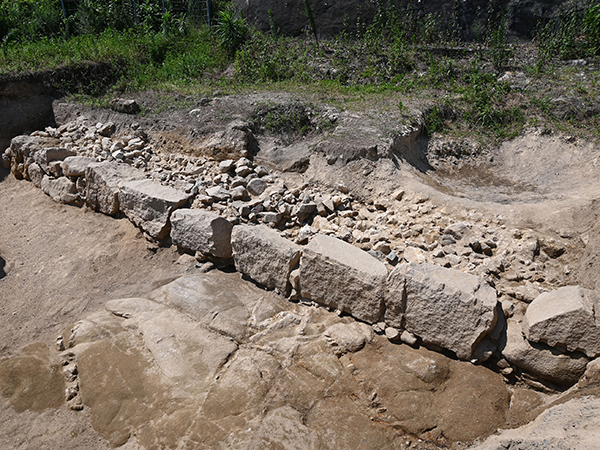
(36, 174)
(23, 148)
(304, 210)
(540, 359)
(55, 169)
(61, 189)
(45, 155)
(262, 254)
(393, 334)
(125, 106)
(565, 317)
(103, 181)
(239, 193)
(106, 129)
(219, 194)
(226, 165)
(339, 275)
(256, 186)
(348, 337)
(408, 338)
(201, 231)
(74, 166)
(444, 307)
(236, 139)
(149, 204)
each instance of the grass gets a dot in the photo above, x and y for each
(387, 63)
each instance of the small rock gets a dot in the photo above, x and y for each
(226, 165)
(106, 129)
(379, 327)
(60, 343)
(256, 186)
(408, 338)
(392, 258)
(393, 334)
(125, 106)
(219, 194)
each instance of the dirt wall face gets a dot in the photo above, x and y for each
(23, 107)
(334, 16)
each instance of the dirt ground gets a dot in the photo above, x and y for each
(61, 263)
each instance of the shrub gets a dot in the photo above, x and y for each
(592, 27)
(231, 29)
(27, 20)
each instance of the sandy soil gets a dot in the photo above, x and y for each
(61, 263)
(58, 263)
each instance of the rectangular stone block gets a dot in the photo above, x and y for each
(149, 205)
(61, 189)
(444, 307)
(567, 318)
(75, 166)
(201, 231)
(103, 181)
(342, 276)
(262, 254)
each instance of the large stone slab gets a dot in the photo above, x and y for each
(566, 317)
(103, 182)
(262, 254)
(540, 359)
(23, 148)
(45, 155)
(222, 301)
(444, 307)
(149, 205)
(75, 166)
(201, 231)
(60, 189)
(342, 276)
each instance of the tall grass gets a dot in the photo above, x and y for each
(148, 58)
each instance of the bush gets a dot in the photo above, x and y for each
(27, 20)
(592, 27)
(231, 29)
(565, 37)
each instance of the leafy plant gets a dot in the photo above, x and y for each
(434, 120)
(311, 20)
(231, 29)
(564, 37)
(499, 51)
(592, 27)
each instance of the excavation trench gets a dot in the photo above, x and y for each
(210, 359)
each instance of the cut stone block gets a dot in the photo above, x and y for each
(201, 231)
(342, 276)
(566, 317)
(103, 181)
(60, 189)
(265, 256)
(74, 166)
(149, 205)
(540, 359)
(444, 307)
(45, 155)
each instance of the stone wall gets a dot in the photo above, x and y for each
(416, 302)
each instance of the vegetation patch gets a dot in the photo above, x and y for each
(486, 87)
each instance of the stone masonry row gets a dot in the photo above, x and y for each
(443, 308)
